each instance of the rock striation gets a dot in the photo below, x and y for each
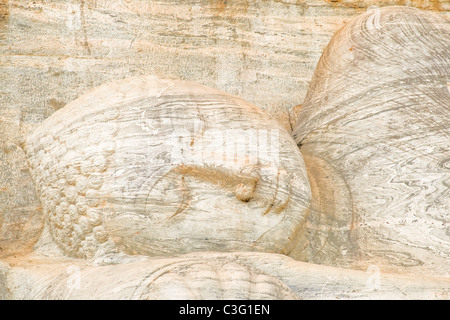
(374, 131)
(155, 167)
(155, 188)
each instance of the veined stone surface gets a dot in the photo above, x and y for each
(141, 167)
(264, 51)
(209, 276)
(21, 219)
(52, 52)
(162, 167)
(375, 132)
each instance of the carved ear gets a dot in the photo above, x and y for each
(376, 121)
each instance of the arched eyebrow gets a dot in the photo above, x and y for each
(220, 175)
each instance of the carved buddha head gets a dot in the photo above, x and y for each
(160, 167)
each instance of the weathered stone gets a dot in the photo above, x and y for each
(211, 276)
(374, 131)
(377, 193)
(21, 219)
(186, 158)
(263, 51)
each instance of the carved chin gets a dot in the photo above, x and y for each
(159, 167)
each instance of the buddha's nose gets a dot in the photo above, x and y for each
(245, 192)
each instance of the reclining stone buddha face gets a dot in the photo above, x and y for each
(160, 167)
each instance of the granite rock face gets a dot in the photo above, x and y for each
(207, 275)
(136, 173)
(53, 52)
(374, 131)
(21, 219)
(263, 51)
